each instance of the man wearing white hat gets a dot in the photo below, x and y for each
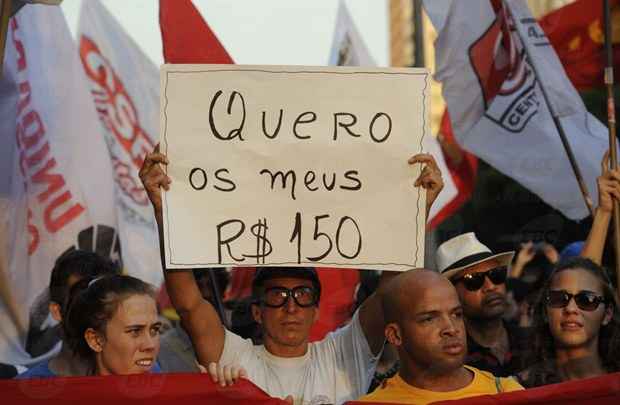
(479, 276)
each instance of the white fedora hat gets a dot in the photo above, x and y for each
(464, 251)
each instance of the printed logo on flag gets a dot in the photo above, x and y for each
(127, 141)
(506, 78)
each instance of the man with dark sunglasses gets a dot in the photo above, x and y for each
(479, 276)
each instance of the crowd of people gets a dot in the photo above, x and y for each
(482, 322)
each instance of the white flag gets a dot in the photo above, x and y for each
(125, 89)
(59, 194)
(349, 49)
(497, 107)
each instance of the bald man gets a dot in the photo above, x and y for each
(424, 321)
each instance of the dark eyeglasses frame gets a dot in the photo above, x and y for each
(475, 281)
(582, 300)
(290, 293)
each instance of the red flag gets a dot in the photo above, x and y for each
(577, 34)
(154, 389)
(337, 300)
(186, 36)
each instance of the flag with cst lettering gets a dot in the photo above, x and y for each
(128, 112)
(57, 192)
(497, 107)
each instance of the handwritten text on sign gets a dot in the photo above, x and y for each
(293, 166)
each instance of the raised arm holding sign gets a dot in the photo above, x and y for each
(337, 369)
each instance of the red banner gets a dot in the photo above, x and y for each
(603, 390)
(155, 389)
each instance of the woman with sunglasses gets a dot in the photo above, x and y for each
(576, 321)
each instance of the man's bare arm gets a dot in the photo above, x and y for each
(371, 315)
(198, 317)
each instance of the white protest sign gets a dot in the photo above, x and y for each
(293, 166)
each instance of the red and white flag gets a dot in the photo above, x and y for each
(58, 192)
(124, 85)
(461, 169)
(497, 106)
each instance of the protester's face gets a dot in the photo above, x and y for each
(571, 326)
(131, 341)
(288, 325)
(432, 329)
(488, 302)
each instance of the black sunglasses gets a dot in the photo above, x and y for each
(474, 281)
(276, 297)
(585, 300)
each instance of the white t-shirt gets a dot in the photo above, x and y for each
(339, 368)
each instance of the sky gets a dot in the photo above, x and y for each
(281, 32)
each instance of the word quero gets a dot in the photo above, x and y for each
(378, 128)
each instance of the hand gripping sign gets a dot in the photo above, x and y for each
(293, 166)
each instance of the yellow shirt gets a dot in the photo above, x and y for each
(397, 391)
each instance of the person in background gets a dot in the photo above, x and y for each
(425, 323)
(532, 266)
(69, 268)
(479, 276)
(577, 326)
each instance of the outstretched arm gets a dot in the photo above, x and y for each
(198, 316)
(371, 312)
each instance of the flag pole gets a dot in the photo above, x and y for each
(611, 123)
(5, 14)
(217, 298)
(418, 34)
(558, 124)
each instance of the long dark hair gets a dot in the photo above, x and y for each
(543, 355)
(92, 303)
